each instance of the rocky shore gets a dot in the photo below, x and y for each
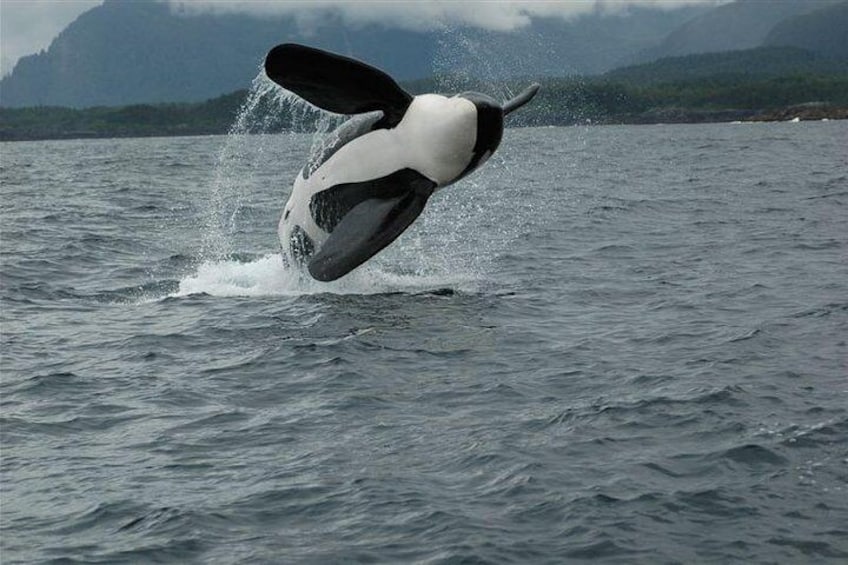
(814, 111)
(803, 112)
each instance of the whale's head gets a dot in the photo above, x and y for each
(490, 121)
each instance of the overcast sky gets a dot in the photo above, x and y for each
(28, 26)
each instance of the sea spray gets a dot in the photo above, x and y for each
(476, 59)
(248, 149)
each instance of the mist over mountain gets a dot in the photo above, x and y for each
(144, 51)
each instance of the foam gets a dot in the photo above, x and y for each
(268, 276)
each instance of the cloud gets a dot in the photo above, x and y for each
(500, 15)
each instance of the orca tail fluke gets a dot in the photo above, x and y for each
(526, 96)
(336, 83)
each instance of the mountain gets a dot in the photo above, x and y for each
(823, 31)
(734, 26)
(128, 52)
(761, 62)
(145, 51)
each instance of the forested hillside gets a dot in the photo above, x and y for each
(759, 62)
(756, 84)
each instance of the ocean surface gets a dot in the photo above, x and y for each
(611, 344)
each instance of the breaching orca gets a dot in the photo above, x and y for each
(375, 177)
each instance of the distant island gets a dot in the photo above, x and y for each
(772, 83)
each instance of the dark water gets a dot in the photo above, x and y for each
(620, 344)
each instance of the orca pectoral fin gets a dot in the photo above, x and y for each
(336, 83)
(526, 96)
(366, 229)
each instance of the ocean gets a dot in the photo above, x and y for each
(618, 344)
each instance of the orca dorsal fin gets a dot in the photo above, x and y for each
(335, 83)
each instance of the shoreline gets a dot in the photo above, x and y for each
(810, 112)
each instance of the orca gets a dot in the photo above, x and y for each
(379, 168)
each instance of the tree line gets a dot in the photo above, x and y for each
(562, 101)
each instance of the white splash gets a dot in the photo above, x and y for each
(268, 109)
(268, 276)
